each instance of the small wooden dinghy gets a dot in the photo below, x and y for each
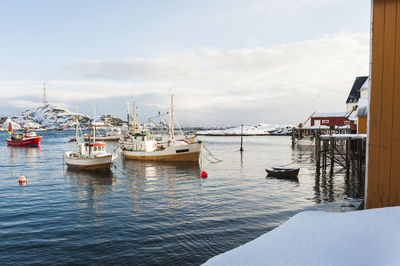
(283, 172)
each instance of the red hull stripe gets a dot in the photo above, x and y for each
(25, 142)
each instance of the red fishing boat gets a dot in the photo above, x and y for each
(28, 139)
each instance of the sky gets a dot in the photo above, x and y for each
(226, 62)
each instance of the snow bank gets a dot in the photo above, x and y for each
(260, 129)
(370, 237)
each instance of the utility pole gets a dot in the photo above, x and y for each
(44, 95)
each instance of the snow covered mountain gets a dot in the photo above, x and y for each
(260, 129)
(51, 117)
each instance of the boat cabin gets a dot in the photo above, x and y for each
(97, 148)
(140, 143)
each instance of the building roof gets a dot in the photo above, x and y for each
(338, 114)
(365, 86)
(354, 94)
(362, 111)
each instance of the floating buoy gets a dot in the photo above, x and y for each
(204, 175)
(22, 180)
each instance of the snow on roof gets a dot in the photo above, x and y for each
(362, 111)
(326, 127)
(365, 86)
(369, 237)
(338, 114)
(362, 102)
(344, 136)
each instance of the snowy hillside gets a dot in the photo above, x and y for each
(51, 117)
(260, 129)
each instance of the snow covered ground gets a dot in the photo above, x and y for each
(260, 129)
(369, 237)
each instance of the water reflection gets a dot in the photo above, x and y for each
(30, 153)
(325, 189)
(91, 178)
(93, 186)
(291, 179)
(148, 170)
(155, 180)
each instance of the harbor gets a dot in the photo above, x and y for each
(212, 133)
(154, 206)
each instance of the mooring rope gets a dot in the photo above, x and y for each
(299, 156)
(210, 154)
(127, 172)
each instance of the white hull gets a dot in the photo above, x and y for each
(102, 162)
(187, 152)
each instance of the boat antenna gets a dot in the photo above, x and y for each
(76, 128)
(171, 117)
(134, 118)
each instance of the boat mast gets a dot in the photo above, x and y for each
(171, 117)
(127, 115)
(94, 125)
(134, 118)
(76, 129)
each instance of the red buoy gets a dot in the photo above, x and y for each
(204, 175)
(22, 180)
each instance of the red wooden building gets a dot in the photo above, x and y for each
(332, 119)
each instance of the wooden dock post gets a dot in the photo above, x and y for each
(347, 157)
(317, 151)
(359, 157)
(332, 152)
(324, 154)
(293, 135)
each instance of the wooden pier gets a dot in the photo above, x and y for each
(346, 150)
(300, 133)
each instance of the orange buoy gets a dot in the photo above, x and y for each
(22, 180)
(204, 175)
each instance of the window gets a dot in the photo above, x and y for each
(347, 122)
(325, 121)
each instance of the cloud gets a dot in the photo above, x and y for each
(265, 83)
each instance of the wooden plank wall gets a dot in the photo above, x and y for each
(383, 184)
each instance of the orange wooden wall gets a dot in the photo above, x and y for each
(362, 125)
(383, 184)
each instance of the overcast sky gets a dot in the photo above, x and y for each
(227, 62)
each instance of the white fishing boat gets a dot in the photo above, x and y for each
(91, 155)
(143, 146)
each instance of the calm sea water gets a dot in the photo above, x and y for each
(154, 213)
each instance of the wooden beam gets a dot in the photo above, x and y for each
(378, 26)
(387, 103)
(395, 167)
